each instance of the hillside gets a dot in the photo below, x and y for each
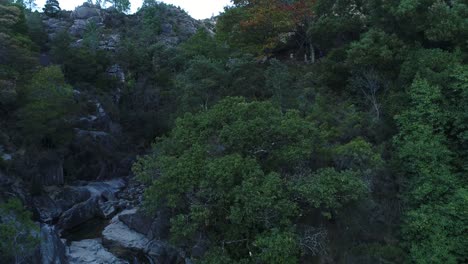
(278, 132)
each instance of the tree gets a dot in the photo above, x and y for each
(120, 5)
(226, 174)
(47, 105)
(18, 233)
(261, 26)
(31, 4)
(432, 230)
(52, 8)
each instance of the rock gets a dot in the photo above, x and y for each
(116, 72)
(95, 206)
(166, 28)
(137, 221)
(161, 252)
(86, 11)
(78, 28)
(160, 226)
(119, 235)
(91, 251)
(107, 209)
(119, 238)
(52, 249)
(46, 209)
(79, 214)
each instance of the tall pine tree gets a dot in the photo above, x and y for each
(52, 8)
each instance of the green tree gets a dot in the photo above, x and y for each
(18, 233)
(52, 8)
(120, 5)
(225, 174)
(432, 229)
(48, 103)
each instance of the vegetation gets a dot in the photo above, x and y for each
(291, 132)
(239, 175)
(18, 233)
(52, 8)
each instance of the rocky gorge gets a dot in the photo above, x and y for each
(96, 217)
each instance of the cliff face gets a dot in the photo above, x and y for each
(100, 147)
(175, 25)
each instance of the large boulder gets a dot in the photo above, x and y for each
(119, 235)
(86, 11)
(79, 214)
(101, 202)
(137, 221)
(122, 240)
(91, 251)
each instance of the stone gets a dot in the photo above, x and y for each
(79, 214)
(52, 249)
(85, 12)
(122, 239)
(116, 72)
(161, 252)
(91, 251)
(166, 28)
(107, 209)
(78, 28)
(95, 206)
(119, 235)
(46, 209)
(137, 221)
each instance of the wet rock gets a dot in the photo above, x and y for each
(107, 209)
(91, 251)
(52, 249)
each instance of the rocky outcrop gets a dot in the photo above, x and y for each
(91, 251)
(86, 11)
(99, 204)
(73, 205)
(123, 240)
(52, 249)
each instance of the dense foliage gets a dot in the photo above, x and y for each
(240, 174)
(18, 233)
(299, 131)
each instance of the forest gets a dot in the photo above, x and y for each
(280, 131)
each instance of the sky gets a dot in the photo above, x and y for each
(198, 9)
